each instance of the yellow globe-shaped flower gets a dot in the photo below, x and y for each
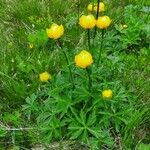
(107, 94)
(90, 7)
(55, 31)
(87, 22)
(83, 59)
(45, 76)
(103, 22)
(101, 7)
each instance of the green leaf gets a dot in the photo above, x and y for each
(95, 131)
(91, 119)
(30, 100)
(39, 38)
(63, 104)
(3, 132)
(143, 146)
(76, 133)
(30, 105)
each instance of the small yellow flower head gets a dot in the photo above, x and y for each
(55, 31)
(45, 76)
(101, 7)
(124, 26)
(107, 94)
(30, 45)
(103, 22)
(90, 7)
(83, 59)
(87, 22)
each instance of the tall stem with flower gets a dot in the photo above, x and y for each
(102, 23)
(87, 22)
(68, 62)
(101, 47)
(97, 15)
(89, 42)
(89, 79)
(55, 32)
(83, 60)
(78, 5)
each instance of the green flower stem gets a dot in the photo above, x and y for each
(101, 47)
(78, 9)
(89, 78)
(67, 60)
(89, 44)
(97, 15)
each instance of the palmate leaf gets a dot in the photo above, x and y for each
(91, 119)
(60, 104)
(63, 104)
(77, 125)
(30, 105)
(94, 144)
(51, 129)
(81, 118)
(83, 126)
(95, 131)
(82, 93)
(77, 133)
(44, 117)
(30, 100)
(85, 136)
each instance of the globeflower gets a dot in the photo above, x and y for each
(83, 59)
(90, 7)
(45, 76)
(101, 7)
(87, 22)
(125, 26)
(55, 31)
(107, 94)
(103, 22)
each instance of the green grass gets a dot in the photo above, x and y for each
(125, 67)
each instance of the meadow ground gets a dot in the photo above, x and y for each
(100, 103)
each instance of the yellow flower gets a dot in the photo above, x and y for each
(101, 7)
(45, 76)
(83, 59)
(90, 7)
(30, 45)
(103, 22)
(87, 22)
(107, 94)
(55, 31)
(124, 26)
